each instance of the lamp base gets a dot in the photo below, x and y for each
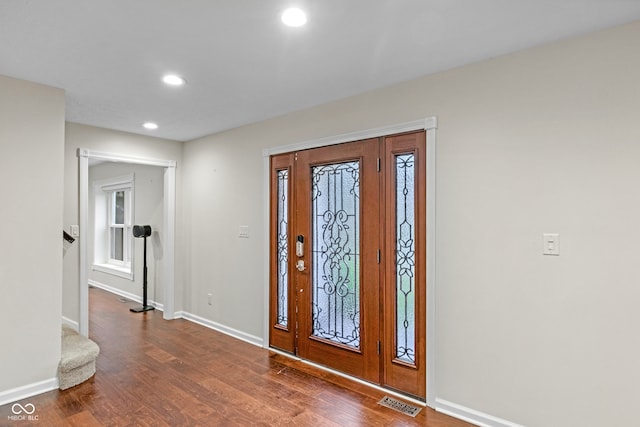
(142, 308)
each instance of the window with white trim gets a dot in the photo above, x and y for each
(113, 249)
(119, 226)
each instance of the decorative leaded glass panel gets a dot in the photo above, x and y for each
(405, 258)
(336, 257)
(282, 249)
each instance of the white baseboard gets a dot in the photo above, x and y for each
(124, 294)
(471, 415)
(71, 323)
(28, 390)
(251, 339)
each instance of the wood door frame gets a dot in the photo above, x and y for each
(429, 125)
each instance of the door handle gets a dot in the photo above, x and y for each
(300, 265)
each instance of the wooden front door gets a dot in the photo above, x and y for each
(347, 262)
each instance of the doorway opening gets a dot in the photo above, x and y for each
(86, 156)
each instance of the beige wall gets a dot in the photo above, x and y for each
(541, 141)
(113, 142)
(31, 167)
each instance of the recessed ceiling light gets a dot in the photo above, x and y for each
(150, 125)
(294, 17)
(173, 80)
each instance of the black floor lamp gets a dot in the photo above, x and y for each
(143, 231)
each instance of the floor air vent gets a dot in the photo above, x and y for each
(400, 406)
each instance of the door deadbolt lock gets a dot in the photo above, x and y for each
(300, 265)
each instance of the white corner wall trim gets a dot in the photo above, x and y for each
(251, 339)
(124, 294)
(28, 390)
(71, 323)
(471, 415)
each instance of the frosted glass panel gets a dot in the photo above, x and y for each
(336, 257)
(405, 258)
(283, 250)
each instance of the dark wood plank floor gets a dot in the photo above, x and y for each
(153, 372)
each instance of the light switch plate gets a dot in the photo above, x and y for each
(551, 242)
(75, 231)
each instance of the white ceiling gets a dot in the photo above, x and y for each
(242, 65)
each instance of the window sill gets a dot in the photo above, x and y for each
(124, 272)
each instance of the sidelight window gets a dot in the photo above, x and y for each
(405, 258)
(282, 248)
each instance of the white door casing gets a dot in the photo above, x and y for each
(84, 155)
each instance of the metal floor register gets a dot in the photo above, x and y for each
(400, 406)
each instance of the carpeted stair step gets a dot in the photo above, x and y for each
(78, 361)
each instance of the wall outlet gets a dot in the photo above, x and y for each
(210, 299)
(243, 232)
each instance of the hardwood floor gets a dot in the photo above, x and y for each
(153, 372)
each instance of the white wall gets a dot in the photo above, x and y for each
(147, 209)
(31, 168)
(113, 142)
(545, 140)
